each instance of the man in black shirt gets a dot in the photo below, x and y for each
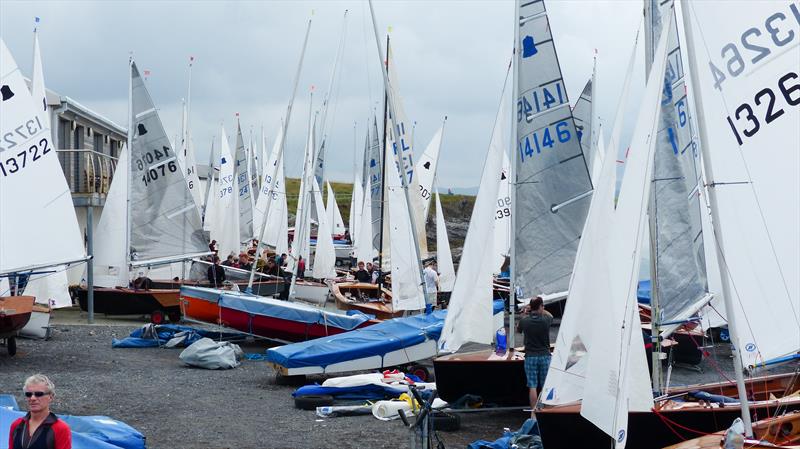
(363, 275)
(216, 274)
(535, 326)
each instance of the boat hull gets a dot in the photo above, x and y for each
(648, 430)
(344, 292)
(15, 311)
(498, 379)
(276, 328)
(127, 301)
(199, 305)
(39, 324)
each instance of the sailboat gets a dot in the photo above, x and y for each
(51, 290)
(48, 235)
(444, 258)
(608, 352)
(150, 218)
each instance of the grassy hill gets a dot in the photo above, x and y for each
(457, 210)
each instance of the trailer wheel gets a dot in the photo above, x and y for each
(446, 422)
(11, 345)
(157, 317)
(419, 371)
(312, 401)
(174, 317)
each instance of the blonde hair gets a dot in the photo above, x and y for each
(41, 379)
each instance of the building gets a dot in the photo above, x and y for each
(88, 146)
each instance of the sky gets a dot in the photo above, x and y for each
(450, 56)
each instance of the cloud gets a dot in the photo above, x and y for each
(451, 59)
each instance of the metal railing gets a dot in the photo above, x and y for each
(87, 171)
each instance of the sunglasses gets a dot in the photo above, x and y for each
(38, 394)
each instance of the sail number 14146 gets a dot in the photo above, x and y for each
(547, 137)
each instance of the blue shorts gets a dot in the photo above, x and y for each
(536, 367)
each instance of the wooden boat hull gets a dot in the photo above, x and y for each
(127, 301)
(381, 309)
(263, 288)
(783, 431)
(563, 427)
(498, 379)
(15, 311)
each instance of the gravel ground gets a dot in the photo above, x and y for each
(179, 407)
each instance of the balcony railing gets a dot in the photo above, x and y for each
(87, 171)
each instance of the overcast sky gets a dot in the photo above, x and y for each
(450, 56)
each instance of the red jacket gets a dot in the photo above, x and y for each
(53, 433)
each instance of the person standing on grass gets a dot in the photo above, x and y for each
(40, 428)
(535, 326)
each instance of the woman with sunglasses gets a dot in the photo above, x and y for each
(40, 428)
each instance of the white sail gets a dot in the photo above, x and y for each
(364, 250)
(110, 234)
(38, 91)
(503, 217)
(444, 258)
(188, 160)
(244, 188)
(399, 142)
(469, 314)
(407, 293)
(582, 113)
(52, 288)
(609, 261)
(164, 221)
(356, 203)
(38, 226)
(747, 70)
(553, 187)
(302, 223)
(227, 211)
(565, 377)
(275, 233)
(425, 170)
(324, 254)
(334, 216)
(373, 185)
(210, 204)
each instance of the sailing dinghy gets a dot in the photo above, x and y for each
(48, 235)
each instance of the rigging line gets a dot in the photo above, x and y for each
(752, 188)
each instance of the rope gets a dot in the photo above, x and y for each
(669, 423)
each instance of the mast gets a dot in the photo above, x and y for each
(304, 198)
(129, 167)
(278, 160)
(715, 221)
(383, 165)
(655, 310)
(397, 156)
(512, 291)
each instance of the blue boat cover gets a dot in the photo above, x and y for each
(366, 392)
(88, 432)
(153, 336)
(300, 313)
(643, 292)
(378, 339)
